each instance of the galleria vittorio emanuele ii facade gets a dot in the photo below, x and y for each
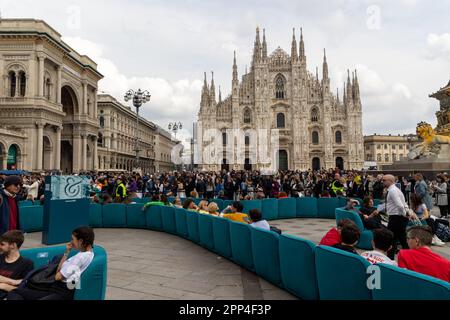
(49, 111)
(278, 96)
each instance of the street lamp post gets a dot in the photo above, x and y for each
(175, 127)
(139, 98)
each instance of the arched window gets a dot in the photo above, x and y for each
(102, 122)
(315, 137)
(224, 138)
(386, 158)
(314, 115)
(281, 120)
(247, 139)
(279, 87)
(247, 116)
(338, 137)
(12, 83)
(23, 83)
(379, 159)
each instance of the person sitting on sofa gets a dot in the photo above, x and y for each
(190, 205)
(257, 221)
(351, 205)
(369, 215)
(13, 267)
(213, 209)
(333, 236)
(234, 213)
(420, 258)
(349, 238)
(382, 243)
(203, 207)
(68, 272)
(155, 202)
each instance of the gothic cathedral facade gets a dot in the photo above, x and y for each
(315, 129)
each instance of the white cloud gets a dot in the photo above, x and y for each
(438, 46)
(171, 101)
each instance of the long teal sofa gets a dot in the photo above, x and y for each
(93, 279)
(365, 241)
(292, 263)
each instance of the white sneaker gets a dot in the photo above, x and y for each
(437, 242)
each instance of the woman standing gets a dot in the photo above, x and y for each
(440, 189)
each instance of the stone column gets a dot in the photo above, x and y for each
(41, 75)
(76, 153)
(58, 85)
(57, 164)
(85, 104)
(40, 145)
(95, 105)
(95, 155)
(84, 152)
(5, 160)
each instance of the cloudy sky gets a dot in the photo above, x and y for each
(400, 48)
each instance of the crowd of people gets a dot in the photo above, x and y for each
(404, 219)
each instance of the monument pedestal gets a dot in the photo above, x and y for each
(429, 166)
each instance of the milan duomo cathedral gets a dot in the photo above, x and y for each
(314, 128)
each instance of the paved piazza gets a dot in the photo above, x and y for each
(149, 265)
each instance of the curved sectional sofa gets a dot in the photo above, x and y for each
(297, 265)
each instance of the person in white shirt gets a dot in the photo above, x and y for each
(382, 243)
(69, 271)
(257, 220)
(396, 208)
(33, 188)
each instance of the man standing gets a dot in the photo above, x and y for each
(421, 189)
(9, 204)
(396, 207)
(336, 186)
(378, 188)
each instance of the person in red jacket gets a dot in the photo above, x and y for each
(420, 258)
(333, 236)
(9, 205)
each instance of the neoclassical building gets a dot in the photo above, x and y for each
(51, 117)
(48, 99)
(278, 94)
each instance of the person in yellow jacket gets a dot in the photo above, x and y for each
(234, 213)
(121, 190)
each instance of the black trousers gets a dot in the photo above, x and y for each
(25, 293)
(398, 224)
(444, 211)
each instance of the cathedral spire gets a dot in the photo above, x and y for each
(264, 46)
(337, 96)
(345, 96)
(294, 54)
(235, 71)
(349, 88)
(356, 88)
(325, 66)
(213, 88)
(205, 94)
(302, 47)
(257, 48)
(220, 95)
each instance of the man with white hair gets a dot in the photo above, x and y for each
(397, 209)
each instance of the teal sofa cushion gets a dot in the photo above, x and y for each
(307, 207)
(270, 209)
(135, 216)
(153, 218)
(341, 275)
(95, 215)
(114, 215)
(265, 254)
(205, 230)
(365, 241)
(287, 208)
(192, 226)
(31, 218)
(181, 222)
(298, 267)
(168, 219)
(241, 244)
(401, 284)
(326, 207)
(222, 241)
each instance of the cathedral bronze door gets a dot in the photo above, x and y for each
(316, 164)
(283, 160)
(340, 163)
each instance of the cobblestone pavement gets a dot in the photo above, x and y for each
(148, 265)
